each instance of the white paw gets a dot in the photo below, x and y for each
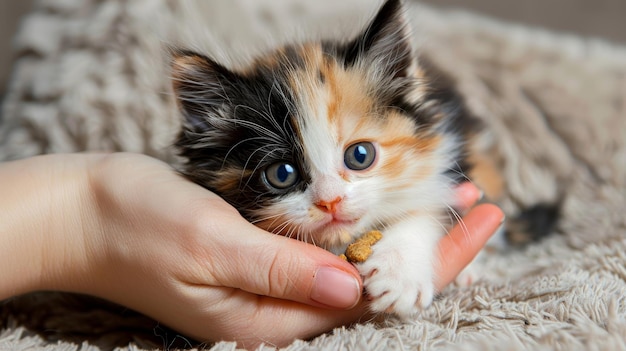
(396, 286)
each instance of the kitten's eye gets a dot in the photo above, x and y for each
(281, 175)
(360, 156)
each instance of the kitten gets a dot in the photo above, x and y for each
(324, 141)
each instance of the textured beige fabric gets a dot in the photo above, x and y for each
(92, 75)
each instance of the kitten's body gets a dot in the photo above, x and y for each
(324, 141)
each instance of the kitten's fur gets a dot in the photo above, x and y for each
(308, 105)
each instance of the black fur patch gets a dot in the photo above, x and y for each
(533, 224)
(387, 36)
(247, 126)
(458, 120)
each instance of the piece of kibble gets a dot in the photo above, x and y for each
(361, 249)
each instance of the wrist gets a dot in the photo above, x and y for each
(45, 223)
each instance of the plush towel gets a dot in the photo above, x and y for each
(93, 75)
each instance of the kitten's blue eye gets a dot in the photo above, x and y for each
(281, 175)
(360, 156)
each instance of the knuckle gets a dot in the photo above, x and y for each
(283, 279)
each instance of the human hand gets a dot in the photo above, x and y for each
(217, 277)
(150, 240)
(467, 238)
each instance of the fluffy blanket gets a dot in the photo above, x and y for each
(92, 75)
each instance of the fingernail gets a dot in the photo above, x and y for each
(501, 228)
(467, 195)
(335, 288)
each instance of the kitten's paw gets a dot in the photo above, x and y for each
(396, 288)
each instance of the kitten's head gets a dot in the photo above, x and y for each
(323, 141)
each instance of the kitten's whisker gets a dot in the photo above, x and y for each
(293, 229)
(436, 220)
(268, 113)
(276, 87)
(461, 223)
(279, 229)
(458, 170)
(287, 227)
(248, 160)
(459, 220)
(310, 238)
(232, 148)
(266, 218)
(382, 225)
(253, 125)
(285, 100)
(258, 165)
(270, 118)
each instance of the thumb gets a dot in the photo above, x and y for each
(266, 264)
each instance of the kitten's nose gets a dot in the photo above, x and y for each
(329, 206)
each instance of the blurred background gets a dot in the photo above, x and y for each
(594, 18)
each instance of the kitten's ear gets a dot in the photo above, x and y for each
(386, 43)
(201, 88)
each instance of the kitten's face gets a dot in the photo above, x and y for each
(321, 141)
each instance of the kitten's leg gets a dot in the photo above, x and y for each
(528, 186)
(398, 276)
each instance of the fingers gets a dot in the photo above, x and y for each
(467, 194)
(271, 265)
(462, 244)
(261, 319)
(230, 251)
(254, 322)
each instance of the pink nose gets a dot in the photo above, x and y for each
(328, 206)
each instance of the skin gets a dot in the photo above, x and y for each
(127, 228)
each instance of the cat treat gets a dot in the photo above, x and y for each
(361, 249)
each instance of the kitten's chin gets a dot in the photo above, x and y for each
(335, 235)
(331, 234)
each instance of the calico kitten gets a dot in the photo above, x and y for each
(324, 141)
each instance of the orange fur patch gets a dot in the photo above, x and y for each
(401, 144)
(400, 130)
(338, 96)
(486, 175)
(184, 67)
(350, 110)
(229, 178)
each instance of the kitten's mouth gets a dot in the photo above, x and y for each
(337, 232)
(338, 222)
(341, 222)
